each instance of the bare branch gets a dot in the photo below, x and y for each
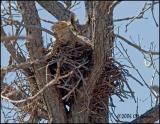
(129, 60)
(128, 18)
(68, 4)
(136, 46)
(150, 116)
(60, 12)
(51, 83)
(156, 89)
(152, 9)
(56, 9)
(144, 9)
(31, 17)
(113, 5)
(12, 39)
(14, 53)
(15, 22)
(10, 92)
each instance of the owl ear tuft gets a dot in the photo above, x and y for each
(73, 19)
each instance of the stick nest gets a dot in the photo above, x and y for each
(75, 60)
(78, 59)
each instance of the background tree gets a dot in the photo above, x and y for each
(35, 94)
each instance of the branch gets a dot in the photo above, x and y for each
(149, 117)
(11, 39)
(113, 5)
(50, 95)
(152, 9)
(90, 13)
(56, 9)
(15, 22)
(144, 9)
(23, 65)
(60, 12)
(51, 83)
(2, 75)
(8, 41)
(68, 4)
(13, 52)
(10, 92)
(30, 17)
(103, 42)
(137, 47)
(128, 18)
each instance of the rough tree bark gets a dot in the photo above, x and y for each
(35, 48)
(103, 43)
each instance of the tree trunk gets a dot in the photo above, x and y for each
(51, 96)
(103, 36)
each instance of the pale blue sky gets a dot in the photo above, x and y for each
(148, 33)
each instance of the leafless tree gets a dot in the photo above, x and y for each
(73, 79)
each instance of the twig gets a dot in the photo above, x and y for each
(132, 93)
(129, 60)
(56, 9)
(52, 82)
(152, 9)
(15, 22)
(136, 46)
(51, 22)
(68, 94)
(128, 18)
(135, 79)
(144, 9)
(9, 39)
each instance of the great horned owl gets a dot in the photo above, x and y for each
(65, 34)
(61, 29)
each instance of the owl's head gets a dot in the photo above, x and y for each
(61, 30)
(60, 25)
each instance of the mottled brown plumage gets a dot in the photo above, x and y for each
(65, 35)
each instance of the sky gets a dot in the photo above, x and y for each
(143, 30)
(148, 32)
